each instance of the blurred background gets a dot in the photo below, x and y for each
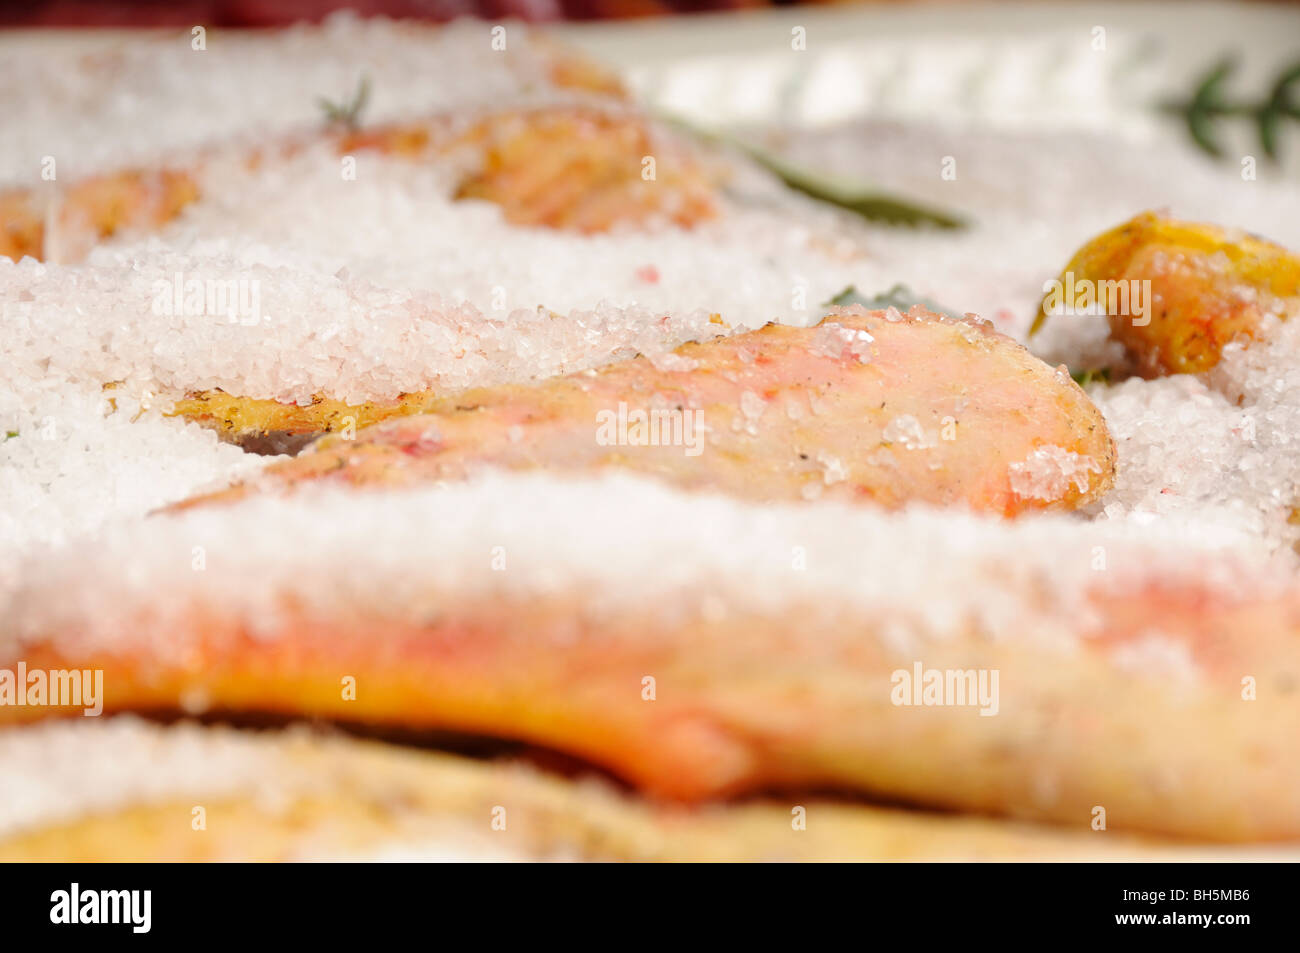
(255, 13)
(1195, 73)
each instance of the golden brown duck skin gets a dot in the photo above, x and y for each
(868, 406)
(1175, 293)
(575, 168)
(586, 171)
(1154, 729)
(64, 225)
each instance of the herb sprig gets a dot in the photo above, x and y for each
(348, 112)
(1085, 377)
(900, 296)
(1210, 104)
(861, 198)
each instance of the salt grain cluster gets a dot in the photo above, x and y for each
(1049, 472)
(1215, 448)
(69, 462)
(397, 225)
(62, 771)
(90, 325)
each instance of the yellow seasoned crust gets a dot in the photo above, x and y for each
(340, 797)
(238, 417)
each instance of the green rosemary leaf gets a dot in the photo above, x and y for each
(1206, 102)
(1084, 378)
(1208, 105)
(870, 203)
(348, 113)
(860, 198)
(1279, 106)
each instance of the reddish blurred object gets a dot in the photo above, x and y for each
(265, 13)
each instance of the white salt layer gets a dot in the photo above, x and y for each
(624, 544)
